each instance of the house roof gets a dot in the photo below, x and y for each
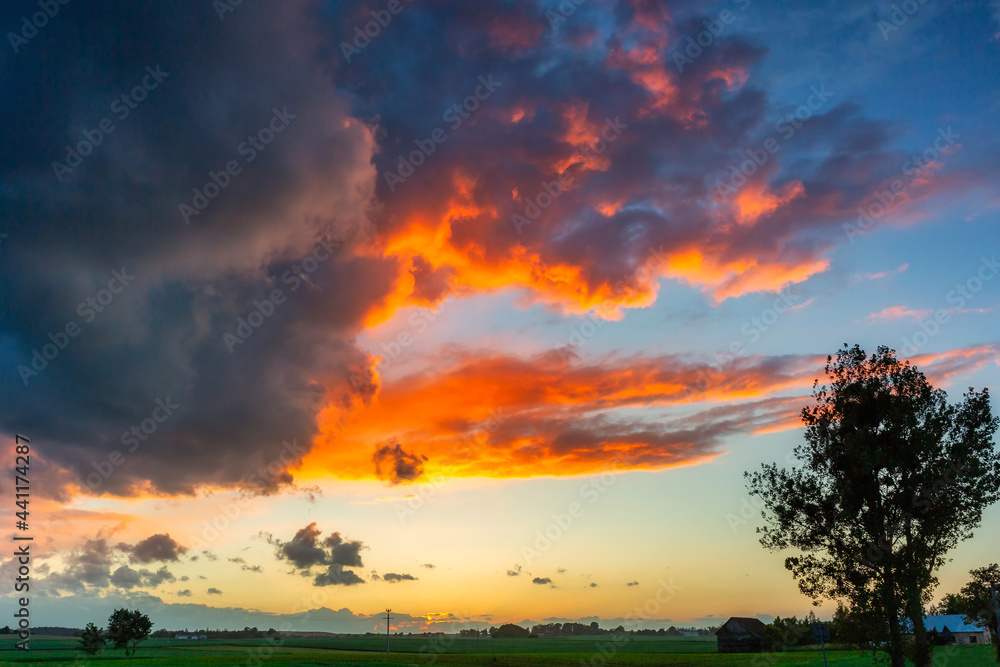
(741, 625)
(954, 622)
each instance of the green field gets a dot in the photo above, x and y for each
(426, 651)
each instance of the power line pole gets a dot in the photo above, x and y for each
(387, 619)
(996, 607)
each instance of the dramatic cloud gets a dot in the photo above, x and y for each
(171, 363)
(395, 465)
(584, 169)
(556, 414)
(393, 578)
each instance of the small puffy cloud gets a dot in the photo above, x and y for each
(593, 585)
(561, 570)
(336, 575)
(303, 551)
(160, 547)
(214, 591)
(186, 593)
(344, 552)
(126, 577)
(632, 583)
(429, 566)
(91, 564)
(515, 572)
(541, 580)
(156, 578)
(395, 465)
(393, 578)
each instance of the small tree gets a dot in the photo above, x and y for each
(92, 640)
(127, 628)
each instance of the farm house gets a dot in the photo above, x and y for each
(954, 626)
(740, 635)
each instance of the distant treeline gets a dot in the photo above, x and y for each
(511, 630)
(245, 633)
(47, 630)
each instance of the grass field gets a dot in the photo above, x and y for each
(447, 651)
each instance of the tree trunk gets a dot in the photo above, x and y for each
(895, 643)
(921, 649)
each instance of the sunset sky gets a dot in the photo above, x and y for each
(475, 310)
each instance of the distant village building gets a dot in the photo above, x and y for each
(181, 635)
(953, 626)
(740, 635)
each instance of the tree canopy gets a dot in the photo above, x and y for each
(127, 628)
(92, 640)
(892, 477)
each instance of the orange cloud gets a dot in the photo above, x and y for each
(899, 313)
(501, 416)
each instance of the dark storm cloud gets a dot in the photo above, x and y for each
(396, 465)
(393, 577)
(159, 547)
(159, 336)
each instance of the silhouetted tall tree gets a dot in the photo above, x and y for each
(892, 478)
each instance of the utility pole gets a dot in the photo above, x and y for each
(996, 607)
(387, 619)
